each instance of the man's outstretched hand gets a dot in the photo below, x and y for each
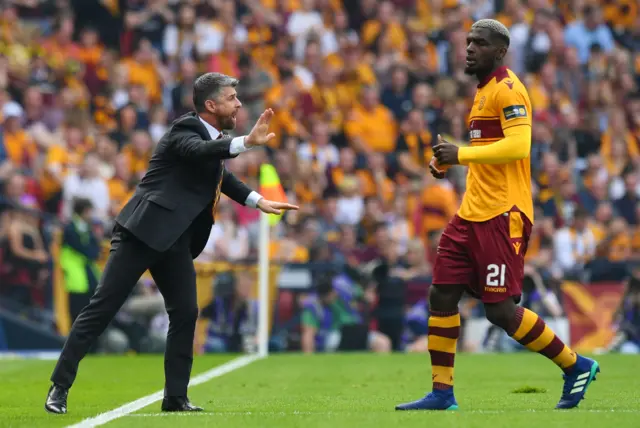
(260, 135)
(445, 152)
(273, 207)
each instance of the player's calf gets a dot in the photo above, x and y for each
(531, 331)
(528, 329)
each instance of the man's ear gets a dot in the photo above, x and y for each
(210, 106)
(502, 52)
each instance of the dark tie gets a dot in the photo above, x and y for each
(216, 196)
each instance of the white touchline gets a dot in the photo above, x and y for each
(143, 402)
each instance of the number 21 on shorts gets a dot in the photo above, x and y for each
(495, 275)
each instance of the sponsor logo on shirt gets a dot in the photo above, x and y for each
(514, 112)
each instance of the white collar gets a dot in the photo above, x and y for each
(213, 132)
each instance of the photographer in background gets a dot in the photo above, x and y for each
(627, 317)
(390, 277)
(332, 321)
(141, 324)
(232, 316)
(415, 337)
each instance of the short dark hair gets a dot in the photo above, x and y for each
(286, 74)
(244, 61)
(324, 285)
(81, 205)
(580, 213)
(208, 86)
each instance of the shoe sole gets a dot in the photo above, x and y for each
(451, 407)
(595, 369)
(54, 413)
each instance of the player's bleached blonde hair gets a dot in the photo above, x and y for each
(496, 27)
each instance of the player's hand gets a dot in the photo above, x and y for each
(260, 135)
(273, 207)
(435, 172)
(445, 152)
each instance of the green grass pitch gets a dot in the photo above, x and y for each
(333, 391)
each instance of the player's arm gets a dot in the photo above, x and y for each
(515, 118)
(515, 145)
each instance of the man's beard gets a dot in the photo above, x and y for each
(227, 123)
(469, 71)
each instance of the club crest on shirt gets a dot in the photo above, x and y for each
(514, 112)
(481, 103)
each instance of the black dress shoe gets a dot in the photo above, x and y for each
(56, 400)
(179, 404)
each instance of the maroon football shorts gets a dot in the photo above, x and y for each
(487, 257)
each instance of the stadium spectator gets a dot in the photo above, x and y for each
(80, 250)
(26, 256)
(589, 31)
(228, 240)
(574, 246)
(86, 183)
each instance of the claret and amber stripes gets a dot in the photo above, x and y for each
(533, 333)
(444, 330)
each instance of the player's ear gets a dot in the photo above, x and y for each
(501, 53)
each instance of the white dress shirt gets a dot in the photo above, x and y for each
(237, 146)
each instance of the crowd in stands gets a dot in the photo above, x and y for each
(360, 90)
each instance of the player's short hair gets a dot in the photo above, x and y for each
(208, 87)
(497, 29)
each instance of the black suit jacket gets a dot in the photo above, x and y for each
(179, 188)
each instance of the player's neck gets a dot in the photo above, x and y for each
(482, 76)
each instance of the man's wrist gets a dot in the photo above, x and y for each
(238, 145)
(253, 199)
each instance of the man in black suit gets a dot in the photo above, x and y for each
(164, 227)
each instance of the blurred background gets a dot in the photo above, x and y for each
(360, 89)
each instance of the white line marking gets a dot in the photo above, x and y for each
(30, 355)
(143, 402)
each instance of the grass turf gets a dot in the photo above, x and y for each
(333, 391)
